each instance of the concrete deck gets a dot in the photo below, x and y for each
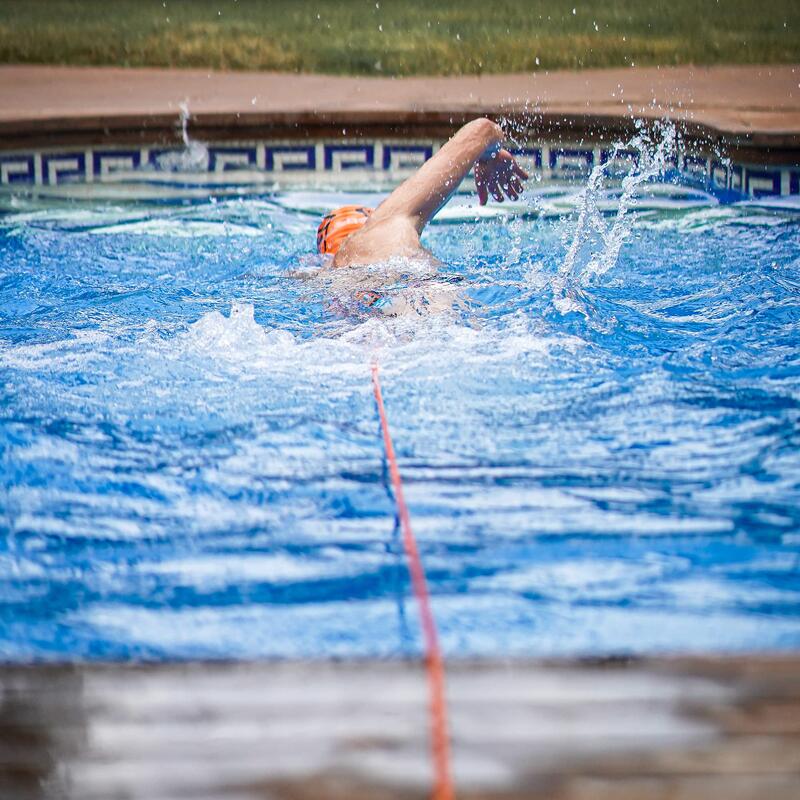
(640, 730)
(747, 105)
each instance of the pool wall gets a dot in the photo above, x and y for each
(349, 160)
(738, 127)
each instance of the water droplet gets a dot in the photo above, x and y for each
(537, 60)
(380, 28)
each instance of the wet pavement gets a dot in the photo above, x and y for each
(754, 105)
(725, 728)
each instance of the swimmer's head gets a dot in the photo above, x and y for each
(338, 225)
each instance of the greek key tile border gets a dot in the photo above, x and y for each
(557, 161)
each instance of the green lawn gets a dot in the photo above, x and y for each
(398, 37)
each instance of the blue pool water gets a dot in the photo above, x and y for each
(600, 451)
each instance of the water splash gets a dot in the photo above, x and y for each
(159, 442)
(596, 240)
(184, 107)
(193, 157)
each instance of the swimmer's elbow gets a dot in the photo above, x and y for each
(486, 129)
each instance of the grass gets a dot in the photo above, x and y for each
(398, 37)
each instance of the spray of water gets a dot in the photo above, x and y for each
(593, 246)
(193, 157)
(184, 118)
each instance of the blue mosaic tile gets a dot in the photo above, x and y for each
(631, 156)
(571, 160)
(398, 150)
(156, 153)
(528, 152)
(17, 169)
(737, 177)
(334, 157)
(695, 166)
(105, 162)
(762, 182)
(671, 161)
(221, 159)
(720, 174)
(308, 151)
(57, 167)
(361, 156)
(620, 162)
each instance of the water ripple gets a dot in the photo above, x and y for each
(191, 463)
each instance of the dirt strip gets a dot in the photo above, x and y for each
(750, 105)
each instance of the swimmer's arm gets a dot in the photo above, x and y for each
(425, 192)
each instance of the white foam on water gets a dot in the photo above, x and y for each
(742, 214)
(236, 337)
(241, 349)
(433, 345)
(783, 203)
(66, 355)
(63, 216)
(182, 229)
(319, 203)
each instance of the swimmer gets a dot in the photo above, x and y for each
(359, 236)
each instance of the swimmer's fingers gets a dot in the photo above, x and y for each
(510, 183)
(507, 187)
(491, 184)
(483, 194)
(516, 184)
(511, 163)
(501, 177)
(483, 179)
(497, 192)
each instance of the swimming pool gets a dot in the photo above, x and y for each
(600, 452)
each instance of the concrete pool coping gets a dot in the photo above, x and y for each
(749, 108)
(650, 729)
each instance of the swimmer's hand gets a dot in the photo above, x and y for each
(497, 174)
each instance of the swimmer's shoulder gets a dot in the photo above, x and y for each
(395, 236)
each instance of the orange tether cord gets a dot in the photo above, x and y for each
(440, 743)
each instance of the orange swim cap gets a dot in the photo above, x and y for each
(338, 225)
